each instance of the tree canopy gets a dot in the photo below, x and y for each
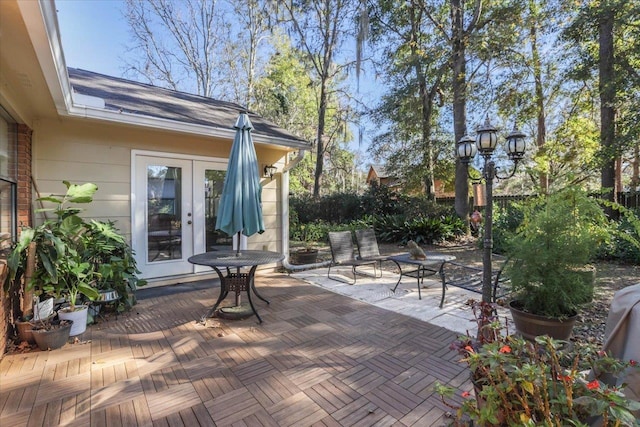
(566, 73)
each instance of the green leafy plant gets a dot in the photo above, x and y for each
(625, 245)
(543, 383)
(559, 235)
(420, 229)
(60, 269)
(73, 257)
(112, 258)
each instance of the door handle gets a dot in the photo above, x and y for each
(189, 222)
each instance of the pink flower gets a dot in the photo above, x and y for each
(466, 394)
(633, 362)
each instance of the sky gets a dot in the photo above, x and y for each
(94, 37)
(94, 34)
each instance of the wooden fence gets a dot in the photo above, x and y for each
(630, 200)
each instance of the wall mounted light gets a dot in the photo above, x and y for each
(269, 171)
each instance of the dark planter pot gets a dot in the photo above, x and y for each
(306, 256)
(54, 337)
(532, 325)
(24, 327)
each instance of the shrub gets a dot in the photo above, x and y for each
(546, 382)
(559, 235)
(625, 244)
(421, 229)
(505, 223)
(334, 208)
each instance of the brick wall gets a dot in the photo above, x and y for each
(11, 298)
(24, 176)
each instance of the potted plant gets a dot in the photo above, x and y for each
(307, 254)
(542, 382)
(113, 259)
(58, 248)
(550, 272)
(51, 334)
(75, 278)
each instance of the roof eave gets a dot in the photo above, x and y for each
(85, 112)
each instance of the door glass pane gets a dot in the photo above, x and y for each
(164, 213)
(7, 216)
(213, 182)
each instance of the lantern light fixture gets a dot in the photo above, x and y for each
(269, 171)
(486, 138)
(466, 149)
(516, 144)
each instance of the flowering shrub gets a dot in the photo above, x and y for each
(546, 382)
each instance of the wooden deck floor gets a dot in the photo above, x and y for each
(319, 359)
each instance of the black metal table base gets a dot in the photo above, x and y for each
(235, 282)
(419, 274)
(434, 264)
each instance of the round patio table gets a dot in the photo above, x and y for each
(236, 281)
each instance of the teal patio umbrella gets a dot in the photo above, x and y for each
(241, 199)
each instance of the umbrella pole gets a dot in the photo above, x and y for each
(238, 271)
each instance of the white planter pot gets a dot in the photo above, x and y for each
(79, 317)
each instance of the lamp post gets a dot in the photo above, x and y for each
(485, 142)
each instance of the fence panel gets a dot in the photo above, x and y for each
(630, 200)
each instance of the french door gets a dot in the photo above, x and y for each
(175, 202)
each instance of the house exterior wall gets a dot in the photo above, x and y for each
(10, 298)
(83, 151)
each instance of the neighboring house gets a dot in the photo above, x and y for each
(378, 175)
(158, 156)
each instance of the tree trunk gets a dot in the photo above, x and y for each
(322, 111)
(426, 102)
(607, 103)
(635, 177)
(539, 101)
(459, 105)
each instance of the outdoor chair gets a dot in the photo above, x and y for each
(368, 249)
(469, 277)
(343, 254)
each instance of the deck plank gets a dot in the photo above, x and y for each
(319, 359)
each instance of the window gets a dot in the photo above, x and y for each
(8, 179)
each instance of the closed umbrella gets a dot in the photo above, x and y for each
(241, 199)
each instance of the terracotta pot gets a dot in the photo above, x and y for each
(532, 325)
(24, 328)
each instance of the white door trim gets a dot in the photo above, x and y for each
(192, 238)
